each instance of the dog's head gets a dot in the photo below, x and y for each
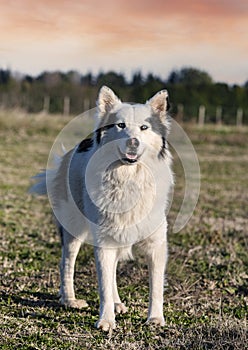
(134, 129)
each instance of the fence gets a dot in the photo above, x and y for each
(212, 114)
(66, 105)
(48, 104)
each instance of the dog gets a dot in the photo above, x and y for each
(112, 190)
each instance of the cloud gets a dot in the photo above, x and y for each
(122, 20)
(122, 32)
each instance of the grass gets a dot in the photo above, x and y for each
(207, 294)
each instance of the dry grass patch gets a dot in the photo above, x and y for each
(207, 293)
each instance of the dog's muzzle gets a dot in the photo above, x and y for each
(132, 143)
(131, 155)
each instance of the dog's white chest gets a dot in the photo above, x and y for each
(125, 199)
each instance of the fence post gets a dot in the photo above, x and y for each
(66, 106)
(201, 116)
(180, 111)
(4, 101)
(46, 104)
(219, 115)
(239, 119)
(86, 104)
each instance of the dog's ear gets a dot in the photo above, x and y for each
(107, 100)
(160, 102)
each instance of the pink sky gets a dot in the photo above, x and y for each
(148, 35)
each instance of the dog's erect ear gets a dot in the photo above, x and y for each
(107, 100)
(160, 102)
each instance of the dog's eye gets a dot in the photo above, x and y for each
(121, 125)
(143, 127)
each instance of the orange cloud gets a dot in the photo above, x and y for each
(112, 27)
(126, 20)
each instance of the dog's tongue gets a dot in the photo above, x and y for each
(131, 156)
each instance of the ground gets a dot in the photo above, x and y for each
(206, 294)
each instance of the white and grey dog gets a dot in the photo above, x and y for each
(112, 190)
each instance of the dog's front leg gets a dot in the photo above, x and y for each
(157, 262)
(106, 264)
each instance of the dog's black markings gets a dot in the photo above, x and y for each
(168, 106)
(98, 135)
(100, 130)
(85, 145)
(163, 148)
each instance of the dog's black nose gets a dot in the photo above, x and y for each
(132, 142)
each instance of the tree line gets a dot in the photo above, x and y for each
(190, 90)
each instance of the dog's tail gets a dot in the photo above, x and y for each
(39, 187)
(40, 180)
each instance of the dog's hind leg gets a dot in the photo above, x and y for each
(70, 249)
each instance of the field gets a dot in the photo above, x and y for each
(207, 293)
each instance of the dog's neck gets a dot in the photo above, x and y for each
(123, 172)
(127, 186)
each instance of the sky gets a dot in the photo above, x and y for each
(126, 36)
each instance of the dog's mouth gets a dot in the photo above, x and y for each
(129, 157)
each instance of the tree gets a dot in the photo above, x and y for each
(137, 79)
(190, 76)
(5, 76)
(111, 79)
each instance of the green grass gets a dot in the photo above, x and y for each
(206, 298)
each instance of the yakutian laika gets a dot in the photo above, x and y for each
(112, 190)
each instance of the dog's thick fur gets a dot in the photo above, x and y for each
(118, 182)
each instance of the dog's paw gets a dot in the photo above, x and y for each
(120, 308)
(75, 303)
(105, 326)
(156, 321)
